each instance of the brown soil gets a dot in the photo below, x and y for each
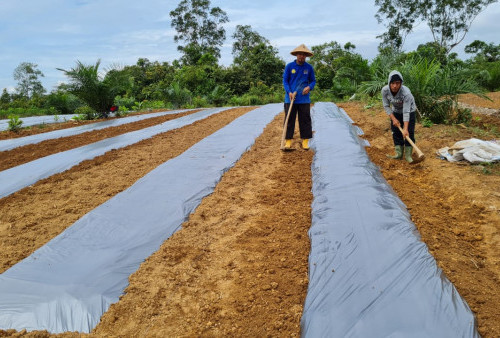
(483, 103)
(238, 266)
(14, 157)
(47, 127)
(455, 207)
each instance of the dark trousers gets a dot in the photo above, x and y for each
(397, 137)
(305, 125)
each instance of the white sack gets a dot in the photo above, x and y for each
(472, 150)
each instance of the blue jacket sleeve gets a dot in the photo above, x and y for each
(286, 79)
(312, 79)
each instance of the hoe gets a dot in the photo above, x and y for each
(420, 154)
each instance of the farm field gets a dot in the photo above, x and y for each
(238, 266)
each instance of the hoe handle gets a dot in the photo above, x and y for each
(419, 152)
(286, 122)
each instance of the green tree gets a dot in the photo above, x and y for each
(145, 76)
(322, 61)
(485, 64)
(236, 78)
(27, 76)
(93, 88)
(200, 27)
(484, 52)
(398, 18)
(339, 68)
(5, 98)
(155, 78)
(258, 59)
(244, 39)
(448, 20)
(199, 79)
(430, 51)
(62, 101)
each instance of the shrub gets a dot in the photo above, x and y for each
(486, 73)
(124, 103)
(260, 93)
(79, 118)
(30, 111)
(178, 96)
(14, 123)
(86, 113)
(148, 105)
(251, 100)
(463, 115)
(122, 111)
(219, 95)
(318, 95)
(426, 122)
(64, 103)
(199, 102)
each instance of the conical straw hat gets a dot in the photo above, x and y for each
(302, 49)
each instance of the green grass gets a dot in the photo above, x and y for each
(486, 132)
(487, 168)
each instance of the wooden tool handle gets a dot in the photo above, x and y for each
(419, 152)
(286, 122)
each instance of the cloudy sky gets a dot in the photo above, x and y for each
(56, 33)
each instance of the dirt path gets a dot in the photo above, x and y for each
(238, 267)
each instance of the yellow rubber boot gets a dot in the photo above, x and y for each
(305, 144)
(288, 144)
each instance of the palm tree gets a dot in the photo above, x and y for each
(96, 90)
(435, 87)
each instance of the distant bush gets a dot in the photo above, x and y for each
(86, 113)
(219, 96)
(198, 102)
(122, 111)
(124, 103)
(148, 105)
(24, 112)
(320, 95)
(258, 94)
(62, 102)
(246, 100)
(178, 96)
(491, 80)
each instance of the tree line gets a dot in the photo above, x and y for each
(435, 74)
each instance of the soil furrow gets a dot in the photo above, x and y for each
(238, 266)
(32, 216)
(31, 152)
(64, 124)
(454, 209)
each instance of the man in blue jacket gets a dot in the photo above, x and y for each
(299, 80)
